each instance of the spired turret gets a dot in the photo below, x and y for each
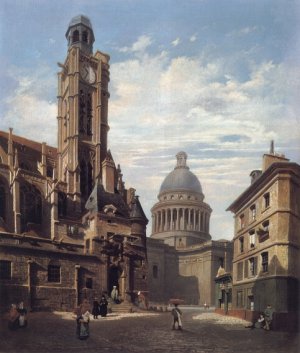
(80, 34)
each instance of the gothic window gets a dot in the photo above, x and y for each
(30, 205)
(62, 204)
(89, 115)
(54, 273)
(85, 36)
(5, 269)
(86, 179)
(75, 37)
(82, 112)
(2, 200)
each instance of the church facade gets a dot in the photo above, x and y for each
(69, 229)
(182, 257)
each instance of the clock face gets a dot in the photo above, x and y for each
(87, 73)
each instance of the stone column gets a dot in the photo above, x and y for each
(189, 221)
(194, 225)
(178, 219)
(171, 225)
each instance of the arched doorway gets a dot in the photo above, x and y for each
(114, 274)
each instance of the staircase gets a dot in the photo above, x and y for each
(122, 308)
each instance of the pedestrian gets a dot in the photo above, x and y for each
(82, 320)
(23, 315)
(268, 314)
(177, 314)
(13, 317)
(115, 295)
(95, 310)
(260, 323)
(103, 306)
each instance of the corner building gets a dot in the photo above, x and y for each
(183, 259)
(69, 229)
(266, 266)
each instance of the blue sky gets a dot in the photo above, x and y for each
(217, 79)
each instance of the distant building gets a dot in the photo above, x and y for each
(266, 266)
(69, 229)
(183, 260)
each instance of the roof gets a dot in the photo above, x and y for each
(277, 167)
(81, 19)
(181, 178)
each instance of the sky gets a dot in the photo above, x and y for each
(216, 79)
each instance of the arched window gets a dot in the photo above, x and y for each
(62, 204)
(75, 37)
(30, 205)
(86, 179)
(2, 200)
(85, 36)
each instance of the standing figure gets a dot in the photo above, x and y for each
(82, 320)
(23, 315)
(268, 313)
(103, 306)
(13, 317)
(115, 294)
(177, 314)
(95, 310)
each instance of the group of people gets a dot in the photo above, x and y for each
(264, 320)
(100, 308)
(17, 316)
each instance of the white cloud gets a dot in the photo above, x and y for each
(176, 42)
(142, 43)
(193, 38)
(166, 104)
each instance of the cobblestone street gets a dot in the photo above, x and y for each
(146, 332)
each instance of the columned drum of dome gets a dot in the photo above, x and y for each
(181, 217)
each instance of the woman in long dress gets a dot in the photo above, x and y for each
(83, 319)
(103, 306)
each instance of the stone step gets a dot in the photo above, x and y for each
(121, 308)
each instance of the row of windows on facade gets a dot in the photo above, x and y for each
(53, 273)
(249, 268)
(253, 211)
(261, 232)
(76, 36)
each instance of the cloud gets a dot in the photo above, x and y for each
(193, 38)
(31, 108)
(142, 43)
(176, 42)
(162, 105)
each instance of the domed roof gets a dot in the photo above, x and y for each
(181, 178)
(80, 19)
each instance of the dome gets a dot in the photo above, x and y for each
(80, 19)
(181, 178)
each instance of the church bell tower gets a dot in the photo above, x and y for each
(82, 113)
